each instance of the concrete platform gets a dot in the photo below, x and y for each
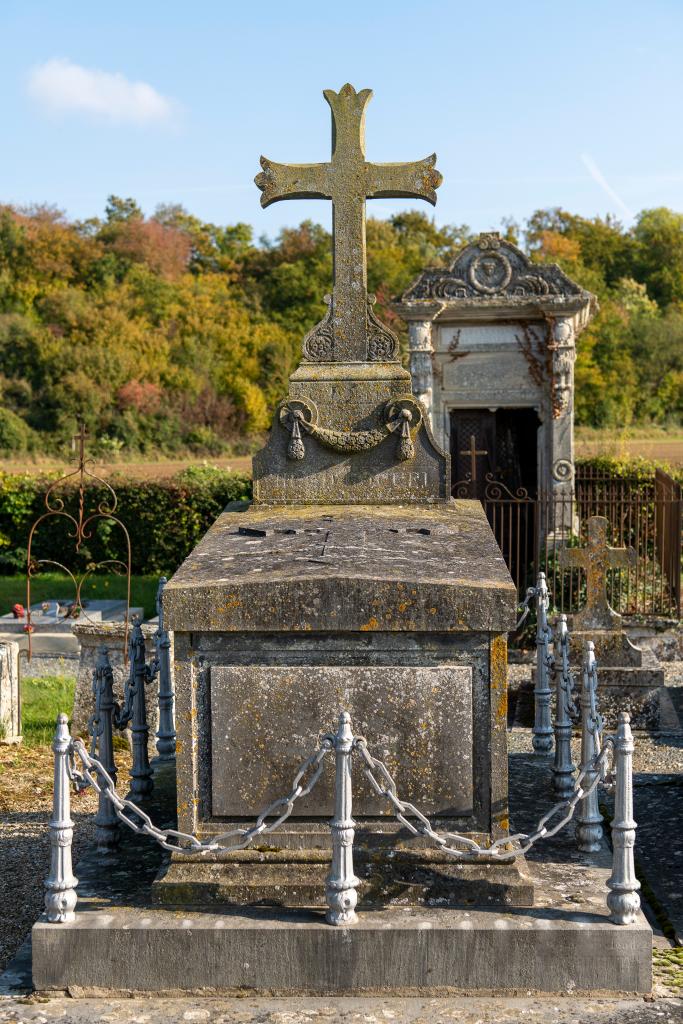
(121, 942)
(398, 950)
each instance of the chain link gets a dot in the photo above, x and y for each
(94, 774)
(531, 593)
(567, 684)
(503, 849)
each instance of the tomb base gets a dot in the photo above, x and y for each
(296, 878)
(629, 679)
(566, 943)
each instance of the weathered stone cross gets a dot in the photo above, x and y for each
(595, 559)
(348, 180)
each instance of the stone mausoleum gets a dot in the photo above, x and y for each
(492, 350)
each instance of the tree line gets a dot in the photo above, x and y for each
(166, 333)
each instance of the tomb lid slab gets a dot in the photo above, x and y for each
(345, 568)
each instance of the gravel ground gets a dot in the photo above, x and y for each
(25, 808)
(464, 1010)
(25, 804)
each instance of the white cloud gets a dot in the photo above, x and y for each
(600, 179)
(60, 85)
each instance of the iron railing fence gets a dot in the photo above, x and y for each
(646, 515)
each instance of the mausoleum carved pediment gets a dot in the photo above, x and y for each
(492, 269)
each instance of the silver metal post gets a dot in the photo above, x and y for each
(589, 818)
(563, 767)
(141, 784)
(107, 833)
(340, 885)
(60, 885)
(162, 643)
(542, 738)
(623, 899)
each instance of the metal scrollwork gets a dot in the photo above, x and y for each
(81, 529)
(496, 490)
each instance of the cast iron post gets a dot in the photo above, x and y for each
(162, 643)
(340, 886)
(60, 885)
(107, 834)
(563, 768)
(141, 774)
(589, 818)
(623, 899)
(542, 739)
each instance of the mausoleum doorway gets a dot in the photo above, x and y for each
(498, 445)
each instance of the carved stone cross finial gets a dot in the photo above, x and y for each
(349, 332)
(596, 559)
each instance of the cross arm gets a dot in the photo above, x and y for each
(417, 180)
(572, 558)
(291, 181)
(621, 558)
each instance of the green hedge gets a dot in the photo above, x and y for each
(164, 518)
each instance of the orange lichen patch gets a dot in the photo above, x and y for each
(178, 747)
(499, 661)
(372, 623)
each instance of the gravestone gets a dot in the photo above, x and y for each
(492, 350)
(353, 582)
(10, 693)
(630, 678)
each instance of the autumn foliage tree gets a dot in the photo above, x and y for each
(166, 332)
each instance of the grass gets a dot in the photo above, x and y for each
(668, 968)
(54, 585)
(41, 702)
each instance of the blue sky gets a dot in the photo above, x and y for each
(527, 104)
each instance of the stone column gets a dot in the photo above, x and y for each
(10, 699)
(421, 370)
(559, 482)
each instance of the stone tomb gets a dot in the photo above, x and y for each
(10, 693)
(282, 616)
(353, 582)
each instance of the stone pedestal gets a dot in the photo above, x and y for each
(629, 679)
(10, 693)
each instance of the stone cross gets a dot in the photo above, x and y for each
(348, 179)
(596, 559)
(473, 453)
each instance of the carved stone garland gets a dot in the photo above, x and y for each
(402, 415)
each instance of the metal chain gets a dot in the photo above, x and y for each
(531, 593)
(567, 684)
(141, 823)
(502, 849)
